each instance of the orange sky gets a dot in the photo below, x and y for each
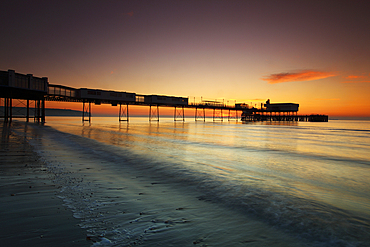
(315, 53)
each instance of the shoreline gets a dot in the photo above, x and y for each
(31, 212)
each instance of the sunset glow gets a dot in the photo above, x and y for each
(287, 51)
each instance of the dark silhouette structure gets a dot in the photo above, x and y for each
(36, 91)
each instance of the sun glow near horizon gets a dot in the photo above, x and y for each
(238, 50)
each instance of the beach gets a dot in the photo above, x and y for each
(184, 184)
(30, 212)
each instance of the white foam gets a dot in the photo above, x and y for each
(103, 242)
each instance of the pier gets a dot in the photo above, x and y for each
(16, 87)
(278, 112)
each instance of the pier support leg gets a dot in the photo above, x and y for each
(123, 113)
(86, 111)
(217, 115)
(6, 107)
(179, 114)
(43, 110)
(37, 111)
(154, 113)
(200, 114)
(230, 116)
(10, 109)
(28, 111)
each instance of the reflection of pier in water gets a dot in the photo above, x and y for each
(35, 91)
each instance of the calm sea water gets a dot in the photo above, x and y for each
(211, 183)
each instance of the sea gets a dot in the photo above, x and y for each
(206, 183)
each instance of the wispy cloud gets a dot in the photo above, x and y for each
(350, 77)
(305, 75)
(357, 79)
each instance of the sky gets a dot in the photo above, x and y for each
(315, 53)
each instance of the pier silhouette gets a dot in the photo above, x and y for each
(35, 91)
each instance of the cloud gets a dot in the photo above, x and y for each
(356, 79)
(305, 75)
(130, 14)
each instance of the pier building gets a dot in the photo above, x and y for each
(26, 87)
(278, 112)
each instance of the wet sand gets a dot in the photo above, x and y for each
(127, 198)
(31, 214)
(61, 189)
